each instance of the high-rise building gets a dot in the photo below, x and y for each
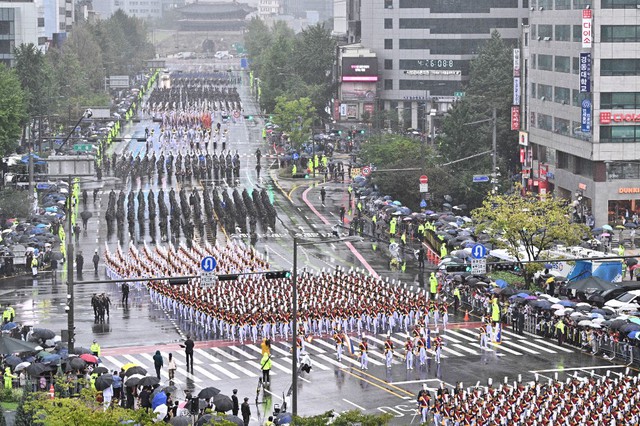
(58, 19)
(581, 115)
(20, 22)
(424, 47)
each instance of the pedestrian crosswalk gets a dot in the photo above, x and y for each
(236, 362)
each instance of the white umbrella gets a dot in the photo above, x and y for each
(557, 306)
(568, 310)
(577, 314)
(559, 312)
(583, 304)
(21, 366)
(622, 317)
(543, 296)
(554, 300)
(595, 325)
(584, 323)
(598, 320)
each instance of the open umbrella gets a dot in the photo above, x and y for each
(159, 398)
(628, 328)
(283, 419)
(591, 284)
(222, 403)
(104, 381)
(567, 303)
(9, 326)
(9, 345)
(21, 366)
(76, 363)
(607, 227)
(204, 420)
(79, 350)
(86, 215)
(12, 360)
(37, 369)
(149, 381)
(100, 370)
(90, 359)
(208, 392)
(136, 369)
(43, 333)
(133, 380)
(182, 421)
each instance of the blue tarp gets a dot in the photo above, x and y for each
(609, 271)
(580, 271)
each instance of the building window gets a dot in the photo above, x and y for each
(619, 33)
(617, 171)
(388, 64)
(388, 84)
(563, 64)
(40, 22)
(545, 62)
(563, 32)
(561, 126)
(575, 65)
(5, 28)
(562, 95)
(388, 4)
(619, 67)
(577, 33)
(545, 92)
(582, 4)
(459, 6)
(547, 4)
(388, 23)
(388, 43)
(620, 100)
(616, 134)
(563, 4)
(545, 122)
(533, 90)
(620, 4)
(534, 61)
(457, 25)
(545, 31)
(5, 46)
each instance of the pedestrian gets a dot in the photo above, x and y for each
(246, 411)
(117, 385)
(388, 351)
(95, 348)
(423, 404)
(54, 269)
(76, 232)
(79, 263)
(342, 213)
(408, 347)
(323, 195)
(269, 422)
(125, 293)
(145, 398)
(433, 285)
(188, 351)
(171, 366)
(265, 365)
(337, 337)
(235, 408)
(95, 195)
(96, 260)
(421, 256)
(34, 266)
(158, 362)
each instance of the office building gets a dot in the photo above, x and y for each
(20, 22)
(581, 115)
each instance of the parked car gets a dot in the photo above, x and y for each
(626, 302)
(600, 298)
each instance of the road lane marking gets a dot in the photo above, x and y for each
(224, 354)
(204, 353)
(224, 371)
(372, 383)
(244, 370)
(399, 389)
(354, 404)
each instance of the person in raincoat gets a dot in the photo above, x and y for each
(265, 365)
(34, 266)
(8, 378)
(433, 285)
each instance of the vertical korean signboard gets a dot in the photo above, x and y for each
(585, 72)
(585, 116)
(587, 30)
(516, 62)
(515, 118)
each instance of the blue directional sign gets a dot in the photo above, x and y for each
(478, 251)
(480, 178)
(423, 204)
(295, 156)
(208, 263)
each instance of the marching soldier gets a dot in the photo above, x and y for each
(438, 348)
(408, 347)
(483, 337)
(364, 357)
(388, 350)
(422, 349)
(337, 337)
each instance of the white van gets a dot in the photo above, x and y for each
(626, 302)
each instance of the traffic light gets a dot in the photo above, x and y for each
(228, 277)
(178, 281)
(508, 266)
(277, 274)
(362, 132)
(340, 132)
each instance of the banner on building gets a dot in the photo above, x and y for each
(523, 138)
(516, 62)
(516, 90)
(585, 72)
(585, 116)
(587, 30)
(515, 117)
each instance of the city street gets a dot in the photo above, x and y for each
(134, 331)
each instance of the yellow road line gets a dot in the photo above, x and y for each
(372, 383)
(386, 383)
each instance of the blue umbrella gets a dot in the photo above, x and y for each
(51, 359)
(41, 225)
(598, 311)
(283, 419)
(9, 326)
(501, 283)
(567, 303)
(397, 203)
(523, 295)
(12, 360)
(159, 399)
(634, 334)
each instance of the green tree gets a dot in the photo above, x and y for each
(295, 118)
(527, 225)
(35, 78)
(14, 203)
(348, 418)
(14, 110)
(24, 415)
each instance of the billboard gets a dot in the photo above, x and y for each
(360, 69)
(585, 72)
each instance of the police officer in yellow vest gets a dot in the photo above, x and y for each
(34, 266)
(433, 285)
(8, 378)
(95, 348)
(560, 331)
(8, 315)
(392, 227)
(457, 299)
(294, 170)
(443, 250)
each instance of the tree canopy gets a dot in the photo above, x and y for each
(295, 117)
(527, 225)
(13, 110)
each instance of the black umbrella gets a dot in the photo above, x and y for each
(133, 381)
(9, 345)
(76, 363)
(166, 389)
(632, 261)
(149, 381)
(86, 215)
(12, 361)
(591, 284)
(37, 369)
(104, 381)
(208, 392)
(44, 333)
(204, 420)
(100, 370)
(222, 403)
(79, 350)
(627, 328)
(235, 419)
(135, 370)
(508, 291)
(616, 324)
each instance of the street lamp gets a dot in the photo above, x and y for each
(86, 114)
(294, 311)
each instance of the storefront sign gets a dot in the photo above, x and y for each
(515, 118)
(523, 138)
(516, 62)
(607, 117)
(359, 69)
(587, 30)
(628, 190)
(585, 116)
(582, 186)
(523, 155)
(516, 90)
(369, 108)
(585, 72)
(433, 72)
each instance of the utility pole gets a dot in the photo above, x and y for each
(70, 299)
(495, 140)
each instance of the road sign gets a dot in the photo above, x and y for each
(423, 204)
(480, 178)
(478, 251)
(83, 147)
(118, 81)
(458, 94)
(207, 278)
(208, 263)
(366, 171)
(424, 187)
(424, 179)
(479, 266)
(295, 156)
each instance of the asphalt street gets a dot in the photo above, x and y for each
(134, 331)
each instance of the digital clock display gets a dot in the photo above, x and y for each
(433, 64)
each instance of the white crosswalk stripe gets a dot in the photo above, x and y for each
(238, 361)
